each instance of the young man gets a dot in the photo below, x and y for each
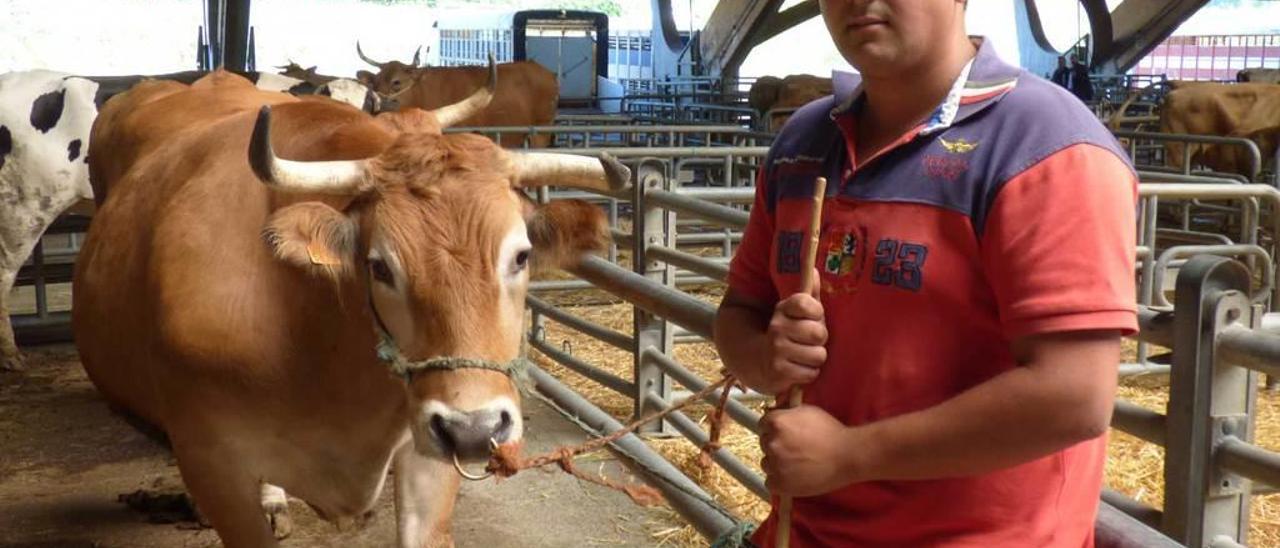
(976, 271)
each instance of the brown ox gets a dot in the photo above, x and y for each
(528, 96)
(1259, 75)
(794, 91)
(1250, 111)
(234, 298)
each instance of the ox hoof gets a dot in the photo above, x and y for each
(12, 363)
(281, 523)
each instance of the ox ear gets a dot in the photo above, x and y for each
(365, 77)
(314, 237)
(563, 231)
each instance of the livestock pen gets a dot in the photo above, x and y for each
(626, 335)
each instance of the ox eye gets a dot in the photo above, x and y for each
(380, 271)
(522, 260)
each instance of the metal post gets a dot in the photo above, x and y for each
(1207, 400)
(651, 331)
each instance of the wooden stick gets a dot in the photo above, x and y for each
(807, 282)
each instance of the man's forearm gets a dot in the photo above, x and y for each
(740, 340)
(1016, 417)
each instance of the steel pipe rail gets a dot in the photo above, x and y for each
(737, 195)
(685, 496)
(1139, 421)
(718, 270)
(1236, 250)
(733, 218)
(1255, 349)
(651, 296)
(1248, 460)
(579, 285)
(691, 431)
(1116, 529)
(1134, 508)
(594, 330)
(605, 378)
(1255, 155)
(740, 413)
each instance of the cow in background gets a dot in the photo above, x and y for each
(528, 96)
(1259, 75)
(794, 91)
(1250, 111)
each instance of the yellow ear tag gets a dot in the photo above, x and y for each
(320, 255)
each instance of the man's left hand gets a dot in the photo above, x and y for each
(806, 451)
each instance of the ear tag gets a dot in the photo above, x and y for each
(321, 255)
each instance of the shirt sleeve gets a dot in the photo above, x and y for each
(1059, 245)
(749, 273)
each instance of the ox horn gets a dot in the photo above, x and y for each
(417, 56)
(457, 112)
(342, 177)
(366, 58)
(603, 174)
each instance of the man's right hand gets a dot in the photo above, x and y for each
(797, 335)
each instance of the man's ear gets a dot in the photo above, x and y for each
(314, 237)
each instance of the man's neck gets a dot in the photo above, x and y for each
(895, 103)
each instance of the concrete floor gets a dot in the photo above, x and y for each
(64, 460)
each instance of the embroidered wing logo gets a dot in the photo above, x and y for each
(958, 146)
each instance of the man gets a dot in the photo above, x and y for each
(1062, 74)
(976, 275)
(1080, 85)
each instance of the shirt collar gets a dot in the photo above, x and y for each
(982, 82)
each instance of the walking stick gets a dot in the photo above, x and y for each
(807, 281)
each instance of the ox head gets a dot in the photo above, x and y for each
(393, 77)
(440, 237)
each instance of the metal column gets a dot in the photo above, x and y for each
(651, 227)
(1208, 399)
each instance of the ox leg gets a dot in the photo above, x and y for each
(10, 358)
(425, 492)
(276, 504)
(227, 495)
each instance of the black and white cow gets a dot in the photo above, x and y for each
(45, 119)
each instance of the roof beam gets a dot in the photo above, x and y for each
(781, 21)
(726, 38)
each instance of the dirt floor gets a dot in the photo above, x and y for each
(65, 459)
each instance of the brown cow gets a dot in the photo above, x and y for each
(528, 96)
(1259, 75)
(794, 91)
(235, 298)
(1251, 111)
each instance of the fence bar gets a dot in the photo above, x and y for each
(1139, 421)
(1249, 460)
(685, 496)
(579, 285)
(1256, 350)
(699, 265)
(597, 331)
(605, 378)
(1115, 529)
(734, 218)
(737, 195)
(680, 308)
(740, 413)
(1133, 508)
(694, 433)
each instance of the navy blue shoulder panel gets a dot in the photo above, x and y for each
(964, 167)
(1036, 120)
(808, 146)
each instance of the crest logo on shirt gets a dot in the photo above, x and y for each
(841, 251)
(840, 259)
(958, 146)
